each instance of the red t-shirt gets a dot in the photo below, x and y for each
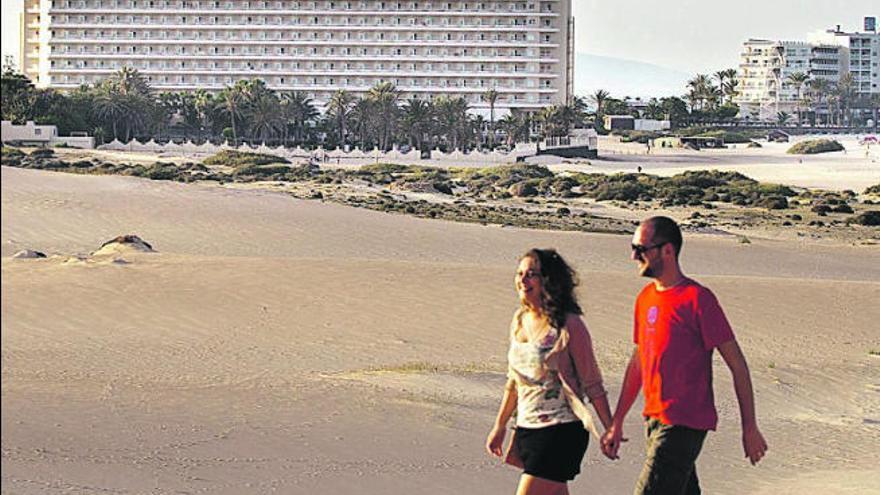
(676, 331)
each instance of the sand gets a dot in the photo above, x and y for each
(273, 345)
(856, 168)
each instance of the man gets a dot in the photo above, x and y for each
(678, 324)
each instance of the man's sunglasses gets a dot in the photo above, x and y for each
(640, 250)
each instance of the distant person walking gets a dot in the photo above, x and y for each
(678, 324)
(551, 367)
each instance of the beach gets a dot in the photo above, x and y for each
(272, 344)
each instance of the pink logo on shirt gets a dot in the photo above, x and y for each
(652, 315)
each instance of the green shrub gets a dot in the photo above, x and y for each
(11, 157)
(7, 151)
(523, 189)
(443, 187)
(875, 189)
(638, 136)
(727, 136)
(48, 164)
(232, 158)
(382, 168)
(162, 171)
(773, 203)
(870, 217)
(709, 178)
(260, 170)
(42, 153)
(515, 172)
(815, 146)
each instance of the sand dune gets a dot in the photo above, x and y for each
(856, 168)
(273, 345)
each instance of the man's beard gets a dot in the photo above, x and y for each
(653, 271)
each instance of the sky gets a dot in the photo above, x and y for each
(704, 36)
(686, 36)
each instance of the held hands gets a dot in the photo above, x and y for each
(754, 444)
(611, 441)
(495, 441)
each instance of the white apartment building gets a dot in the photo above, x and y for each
(765, 67)
(765, 88)
(864, 54)
(426, 48)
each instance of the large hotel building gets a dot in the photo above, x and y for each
(765, 87)
(426, 48)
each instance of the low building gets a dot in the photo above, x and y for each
(692, 142)
(581, 143)
(630, 123)
(31, 134)
(620, 122)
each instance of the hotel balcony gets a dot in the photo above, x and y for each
(304, 12)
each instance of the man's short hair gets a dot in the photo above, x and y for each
(665, 230)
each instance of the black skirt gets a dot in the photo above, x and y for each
(553, 452)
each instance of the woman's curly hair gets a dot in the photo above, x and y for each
(559, 281)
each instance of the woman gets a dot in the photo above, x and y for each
(551, 366)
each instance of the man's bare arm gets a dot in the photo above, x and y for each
(754, 444)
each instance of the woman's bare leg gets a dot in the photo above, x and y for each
(531, 485)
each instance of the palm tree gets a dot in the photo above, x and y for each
(491, 96)
(339, 108)
(204, 105)
(782, 118)
(418, 121)
(266, 118)
(452, 119)
(579, 105)
(298, 111)
(167, 106)
(384, 98)
(820, 89)
(874, 101)
(362, 118)
(599, 98)
(798, 79)
(730, 88)
(517, 126)
(556, 120)
(231, 101)
(846, 93)
(129, 81)
(136, 95)
(727, 82)
(111, 107)
(653, 110)
(721, 76)
(701, 89)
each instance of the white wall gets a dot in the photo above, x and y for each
(84, 142)
(27, 132)
(652, 125)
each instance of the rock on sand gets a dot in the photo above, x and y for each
(124, 244)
